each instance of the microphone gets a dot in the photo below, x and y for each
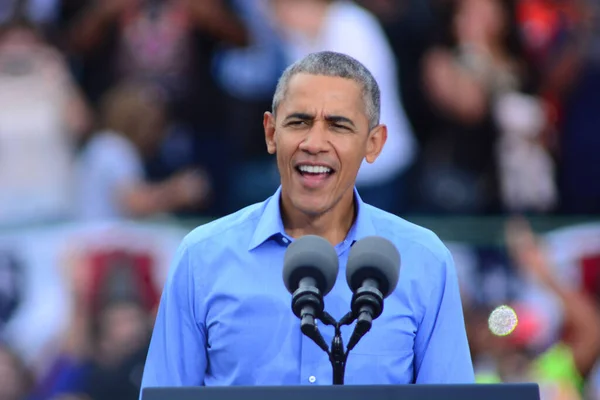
(310, 269)
(372, 273)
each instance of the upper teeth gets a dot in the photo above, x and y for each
(315, 169)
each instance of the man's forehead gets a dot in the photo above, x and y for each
(313, 92)
(304, 82)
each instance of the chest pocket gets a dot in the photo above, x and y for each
(388, 336)
(385, 354)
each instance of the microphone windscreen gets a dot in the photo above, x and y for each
(310, 256)
(373, 257)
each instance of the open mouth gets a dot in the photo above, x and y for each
(314, 170)
(314, 175)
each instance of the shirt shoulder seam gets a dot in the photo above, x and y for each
(206, 237)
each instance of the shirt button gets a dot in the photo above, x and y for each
(285, 240)
(312, 379)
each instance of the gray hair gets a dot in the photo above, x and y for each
(329, 63)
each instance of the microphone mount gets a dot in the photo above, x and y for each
(337, 355)
(308, 305)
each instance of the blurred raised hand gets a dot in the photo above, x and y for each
(191, 188)
(527, 250)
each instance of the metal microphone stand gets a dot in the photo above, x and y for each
(307, 304)
(337, 355)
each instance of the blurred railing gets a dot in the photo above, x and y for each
(475, 230)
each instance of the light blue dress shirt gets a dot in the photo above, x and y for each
(225, 315)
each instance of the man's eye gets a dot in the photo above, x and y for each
(340, 127)
(296, 123)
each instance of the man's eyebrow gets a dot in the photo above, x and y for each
(301, 116)
(338, 119)
(328, 118)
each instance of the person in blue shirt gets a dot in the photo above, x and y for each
(225, 315)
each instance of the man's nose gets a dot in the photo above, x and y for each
(316, 139)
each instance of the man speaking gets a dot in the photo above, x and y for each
(225, 317)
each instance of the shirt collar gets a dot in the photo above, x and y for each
(270, 224)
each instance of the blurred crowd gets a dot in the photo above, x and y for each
(113, 110)
(131, 108)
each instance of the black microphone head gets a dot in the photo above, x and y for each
(373, 258)
(310, 256)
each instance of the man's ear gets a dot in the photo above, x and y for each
(375, 142)
(269, 126)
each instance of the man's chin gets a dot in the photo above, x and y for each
(312, 205)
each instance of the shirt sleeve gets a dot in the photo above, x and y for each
(177, 351)
(442, 353)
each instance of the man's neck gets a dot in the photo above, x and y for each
(332, 225)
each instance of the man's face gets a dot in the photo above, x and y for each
(321, 136)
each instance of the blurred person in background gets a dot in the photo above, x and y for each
(170, 43)
(486, 155)
(111, 178)
(572, 80)
(102, 353)
(121, 343)
(167, 41)
(409, 26)
(309, 26)
(16, 381)
(42, 117)
(248, 76)
(564, 368)
(562, 39)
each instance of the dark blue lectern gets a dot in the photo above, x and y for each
(526, 391)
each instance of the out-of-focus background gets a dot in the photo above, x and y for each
(124, 124)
